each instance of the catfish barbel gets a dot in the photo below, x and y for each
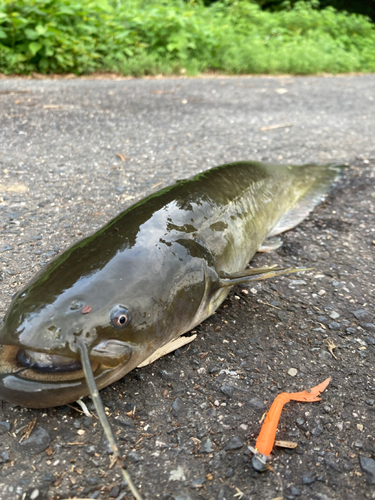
(151, 274)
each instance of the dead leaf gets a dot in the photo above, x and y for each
(331, 345)
(239, 493)
(167, 348)
(26, 431)
(267, 304)
(122, 157)
(147, 435)
(131, 413)
(161, 92)
(14, 188)
(286, 444)
(11, 92)
(113, 460)
(274, 127)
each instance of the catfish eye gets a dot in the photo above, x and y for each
(120, 317)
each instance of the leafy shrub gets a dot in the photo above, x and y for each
(148, 37)
(62, 35)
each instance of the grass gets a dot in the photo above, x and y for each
(147, 37)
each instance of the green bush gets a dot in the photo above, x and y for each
(149, 37)
(62, 35)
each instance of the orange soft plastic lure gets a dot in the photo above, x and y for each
(267, 435)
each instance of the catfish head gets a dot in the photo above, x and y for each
(122, 305)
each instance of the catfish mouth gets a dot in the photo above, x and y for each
(33, 365)
(47, 363)
(35, 379)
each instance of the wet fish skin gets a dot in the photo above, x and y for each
(161, 259)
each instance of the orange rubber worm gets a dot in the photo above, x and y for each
(267, 435)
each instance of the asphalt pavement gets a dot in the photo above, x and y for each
(76, 152)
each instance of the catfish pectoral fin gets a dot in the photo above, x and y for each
(270, 244)
(257, 274)
(167, 348)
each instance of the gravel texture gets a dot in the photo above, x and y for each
(74, 153)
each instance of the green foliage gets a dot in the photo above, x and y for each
(61, 35)
(149, 37)
(365, 7)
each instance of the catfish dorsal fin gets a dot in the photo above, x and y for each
(256, 274)
(321, 178)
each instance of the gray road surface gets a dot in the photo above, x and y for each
(73, 154)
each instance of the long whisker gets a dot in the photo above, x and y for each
(90, 379)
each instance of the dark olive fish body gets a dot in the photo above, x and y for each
(151, 274)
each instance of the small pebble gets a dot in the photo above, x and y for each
(92, 480)
(362, 315)
(256, 404)
(206, 446)
(229, 472)
(348, 467)
(90, 450)
(115, 491)
(317, 430)
(38, 441)
(4, 427)
(134, 457)
(34, 494)
(307, 480)
(334, 315)
(214, 369)
(292, 372)
(178, 406)
(234, 443)
(198, 483)
(227, 390)
(332, 466)
(77, 423)
(295, 491)
(294, 283)
(4, 457)
(294, 433)
(334, 325)
(368, 466)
